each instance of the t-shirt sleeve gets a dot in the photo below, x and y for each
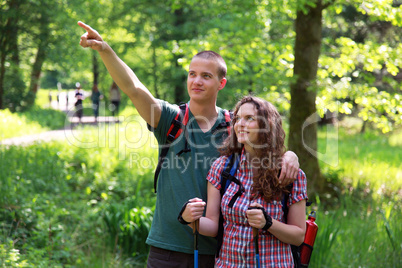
(299, 190)
(214, 174)
(169, 112)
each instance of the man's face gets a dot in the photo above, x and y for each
(203, 82)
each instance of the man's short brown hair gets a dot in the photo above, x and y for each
(211, 55)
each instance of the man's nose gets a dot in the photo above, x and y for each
(198, 80)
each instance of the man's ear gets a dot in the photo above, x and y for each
(223, 83)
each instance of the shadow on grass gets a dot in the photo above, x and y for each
(46, 117)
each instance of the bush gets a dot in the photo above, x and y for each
(10, 257)
(15, 97)
(128, 226)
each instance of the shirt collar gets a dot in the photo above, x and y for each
(243, 158)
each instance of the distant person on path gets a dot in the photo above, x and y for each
(115, 100)
(50, 99)
(58, 99)
(171, 242)
(258, 139)
(96, 97)
(79, 97)
(66, 100)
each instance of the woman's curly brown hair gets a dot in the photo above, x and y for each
(270, 150)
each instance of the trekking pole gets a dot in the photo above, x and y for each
(257, 251)
(195, 232)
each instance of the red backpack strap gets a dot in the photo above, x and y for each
(226, 124)
(178, 124)
(176, 128)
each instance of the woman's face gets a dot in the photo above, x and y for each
(246, 126)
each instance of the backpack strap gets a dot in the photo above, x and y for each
(226, 124)
(227, 176)
(178, 124)
(285, 199)
(285, 208)
(295, 249)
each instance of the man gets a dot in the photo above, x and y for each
(184, 172)
(115, 100)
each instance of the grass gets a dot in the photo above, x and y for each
(373, 160)
(365, 158)
(35, 120)
(88, 201)
(359, 234)
(56, 196)
(364, 228)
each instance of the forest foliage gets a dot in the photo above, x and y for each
(358, 72)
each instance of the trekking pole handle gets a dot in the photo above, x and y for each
(255, 236)
(195, 232)
(255, 232)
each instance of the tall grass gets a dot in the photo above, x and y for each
(56, 197)
(362, 232)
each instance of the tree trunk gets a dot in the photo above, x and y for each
(303, 123)
(180, 80)
(37, 69)
(155, 74)
(2, 73)
(8, 45)
(179, 83)
(95, 68)
(44, 37)
(37, 66)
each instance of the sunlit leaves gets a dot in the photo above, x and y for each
(382, 10)
(381, 108)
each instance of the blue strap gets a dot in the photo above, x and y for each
(234, 167)
(228, 177)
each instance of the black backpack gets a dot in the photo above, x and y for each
(228, 176)
(177, 127)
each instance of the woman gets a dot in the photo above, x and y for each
(79, 96)
(258, 138)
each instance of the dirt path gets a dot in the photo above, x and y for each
(41, 137)
(68, 132)
(62, 134)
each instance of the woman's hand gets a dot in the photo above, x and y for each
(194, 210)
(255, 217)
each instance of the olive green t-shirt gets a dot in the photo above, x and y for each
(182, 178)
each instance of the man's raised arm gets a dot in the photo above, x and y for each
(147, 106)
